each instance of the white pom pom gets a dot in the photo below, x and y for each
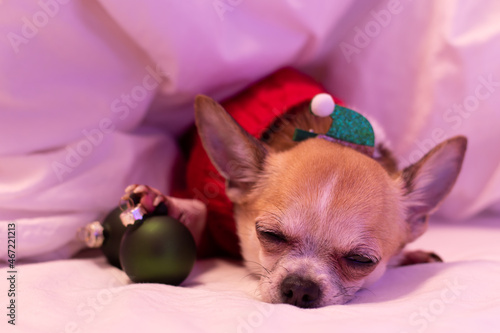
(322, 105)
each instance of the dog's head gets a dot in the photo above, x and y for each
(319, 221)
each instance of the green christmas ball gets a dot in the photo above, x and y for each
(113, 230)
(158, 249)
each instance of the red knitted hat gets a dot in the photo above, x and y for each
(254, 109)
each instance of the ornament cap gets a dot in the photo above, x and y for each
(132, 214)
(92, 234)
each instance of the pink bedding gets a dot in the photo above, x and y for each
(88, 295)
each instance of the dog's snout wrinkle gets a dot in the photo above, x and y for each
(301, 292)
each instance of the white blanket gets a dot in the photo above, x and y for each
(88, 295)
(92, 93)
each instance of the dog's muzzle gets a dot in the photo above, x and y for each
(299, 291)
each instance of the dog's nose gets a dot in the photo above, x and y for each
(300, 292)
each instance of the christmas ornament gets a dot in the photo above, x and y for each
(158, 249)
(106, 235)
(148, 247)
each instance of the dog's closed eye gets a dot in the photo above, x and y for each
(269, 235)
(356, 265)
(361, 260)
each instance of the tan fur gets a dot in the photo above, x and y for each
(365, 203)
(304, 209)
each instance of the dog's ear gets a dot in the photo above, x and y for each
(237, 155)
(429, 181)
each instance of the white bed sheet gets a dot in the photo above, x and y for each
(72, 138)
(88, 295)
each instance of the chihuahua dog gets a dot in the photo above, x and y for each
(316, 220)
